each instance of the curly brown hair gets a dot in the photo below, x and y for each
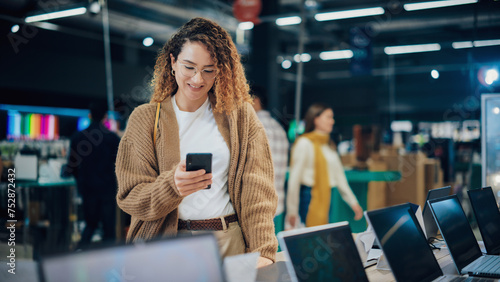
(230, 88)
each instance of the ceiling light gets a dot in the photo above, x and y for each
(286, 64)
(56, 15)
(47, 26)
(435, 74)
(349, 14)
(484, 43)
(461, 44)
(491, 76)
(401, 126)
(305, 57)
(311, 4)
(335, 55)
(288, 20)
(394, 50)
(245, 25)
(95, 8)
(477, 43)
(436, 4)
(148, 41)
(496, 110)
(14, 28)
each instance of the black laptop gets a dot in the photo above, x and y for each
(485, 209)
(322, 253)
(403, 243)
(191, 258)
(431, 229)
(460, 239)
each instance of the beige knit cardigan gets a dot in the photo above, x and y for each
(146, 188)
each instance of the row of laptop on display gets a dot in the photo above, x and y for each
(323, 253)
(328, 252)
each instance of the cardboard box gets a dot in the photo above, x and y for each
(418, 175)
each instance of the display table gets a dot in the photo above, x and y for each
(278, 272)
(45, 214)
(27, 270)
(358, 180)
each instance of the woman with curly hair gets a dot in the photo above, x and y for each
(202, 96)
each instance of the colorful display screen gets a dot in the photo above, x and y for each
(32, 126)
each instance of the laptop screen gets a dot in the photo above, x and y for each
(456, 230)
(431, 229)
(404, 244)
(194, 258)
(325, 255)
(488, 218)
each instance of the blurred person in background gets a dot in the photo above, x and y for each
(201, 95)
(1, 166)
(278, 141)
(315, 169)
(92, 163)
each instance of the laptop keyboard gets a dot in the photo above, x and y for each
(487, 266)
(470, 279)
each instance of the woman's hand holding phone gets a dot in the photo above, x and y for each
(188, 182)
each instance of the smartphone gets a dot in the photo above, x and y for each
(196, 161)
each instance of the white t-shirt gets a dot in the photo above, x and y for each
(198, 133)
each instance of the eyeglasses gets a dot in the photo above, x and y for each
(190, 71)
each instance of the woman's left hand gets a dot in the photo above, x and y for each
(358, 211)
(263, 262)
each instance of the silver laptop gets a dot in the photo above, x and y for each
(460, 239)
(485, 209)
(192, 258)
(322, 253)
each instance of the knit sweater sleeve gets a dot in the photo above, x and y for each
(142, 192)
(259, 197)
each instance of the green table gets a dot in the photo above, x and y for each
(30, 184)
(358, 180)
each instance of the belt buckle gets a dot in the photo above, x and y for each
(188, 224)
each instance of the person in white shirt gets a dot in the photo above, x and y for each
(278, 141)
(315, 169)
(200, 104)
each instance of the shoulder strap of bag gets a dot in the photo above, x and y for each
(156, 123)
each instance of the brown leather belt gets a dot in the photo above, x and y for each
(207, 224)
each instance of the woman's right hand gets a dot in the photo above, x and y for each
(188, 182)
(292, 220)
(358, 211)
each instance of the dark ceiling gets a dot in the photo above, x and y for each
(62, 63)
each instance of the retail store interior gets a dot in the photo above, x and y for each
(415, 91)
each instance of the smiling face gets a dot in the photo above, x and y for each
(192, 91)
(324, 122)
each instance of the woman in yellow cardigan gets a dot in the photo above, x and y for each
(315, 168)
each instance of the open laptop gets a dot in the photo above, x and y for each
(403, 243)
(191, 258)
(431, 229)
(485, 209)
(322, 253)
(459, 238)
